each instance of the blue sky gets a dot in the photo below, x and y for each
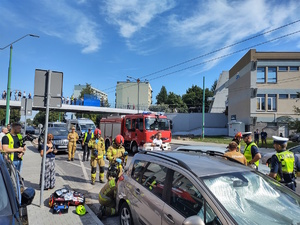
(102, 42)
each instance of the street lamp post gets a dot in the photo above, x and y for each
(138, 82)
(9, 75)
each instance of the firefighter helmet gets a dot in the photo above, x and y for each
(80, 210)
(97, 131)
(119, 140)
(239, 134)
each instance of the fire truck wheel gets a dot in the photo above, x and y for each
(134, 148)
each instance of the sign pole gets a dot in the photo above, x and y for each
(45, 135)
(25, 126)
(203, 108)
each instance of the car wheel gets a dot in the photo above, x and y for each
(125, 215)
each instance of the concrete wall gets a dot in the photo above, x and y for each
(191, 124)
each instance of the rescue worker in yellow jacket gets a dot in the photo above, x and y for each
(107, 195)
(73, 138)
(251, 151)
(283, 163)
(97, 147)
(116, 150)
(12, 144)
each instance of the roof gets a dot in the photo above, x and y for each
(205, 165)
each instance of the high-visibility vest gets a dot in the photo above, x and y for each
(11, 144)
(287, 160)
(85, 136)
(248, 155)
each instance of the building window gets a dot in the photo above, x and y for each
(293, 96)
(283, 96)
(272, 75)
(282, 68)
(272, 102)
(261, 75)
(261, 102)
(294, 68)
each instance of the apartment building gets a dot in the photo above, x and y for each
(262, 89)
(132, 95)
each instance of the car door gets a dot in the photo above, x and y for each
(149, 192)
(185, 200)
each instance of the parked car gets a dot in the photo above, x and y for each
(14, 198)
(266, 158)
(201, 148)
(60, 138)
(30, 130)
(295, 137)
(173, 187)
(57, 124)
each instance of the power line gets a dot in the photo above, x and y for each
(214, 51)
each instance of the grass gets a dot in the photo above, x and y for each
(226, 140)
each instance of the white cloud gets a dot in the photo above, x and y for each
(132, 15)
(70, 24)
(218, 23)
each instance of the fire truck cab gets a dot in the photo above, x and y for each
(138, 130)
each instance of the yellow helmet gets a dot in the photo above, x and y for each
(80, 210)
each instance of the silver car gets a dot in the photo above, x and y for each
(201, 148)
(266, 158)
(196, 188)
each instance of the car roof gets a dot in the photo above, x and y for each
(200, 164)
(201, 147)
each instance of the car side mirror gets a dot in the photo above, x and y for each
(27, 197)
(193, 220)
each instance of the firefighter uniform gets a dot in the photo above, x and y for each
(114, 152)
(97, 147)
(73, 138)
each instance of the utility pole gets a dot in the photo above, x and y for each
(203, 108)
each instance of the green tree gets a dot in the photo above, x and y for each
(160, 108)
(175, 102)
(87, 90)
(53, 117)
(214, 86)
(15, 116)
(162, 96)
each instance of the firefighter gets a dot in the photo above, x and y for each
(251, 151)
(116, 150)
(283, 163)
(238, 139)
(73, 138)
(97, 147)
(107, 195)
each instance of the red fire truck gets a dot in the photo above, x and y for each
(138, 130)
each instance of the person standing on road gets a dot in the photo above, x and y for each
(157, 142)
(238, 139)
(97, 147)
(251, 151)
(12, 143)
(73, 138)
(4, 131)
(116, 150)
(49, 178)
(85, 141)
(263, 136)
(256, 137)
(234, 154)
(283, 163)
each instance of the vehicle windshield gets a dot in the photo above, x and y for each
(59, 125)
(5, 208)
(251, 198)
(151, 123)
(58, 132)
(87, 126)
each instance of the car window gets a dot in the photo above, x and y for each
(128, 124)
(5, 208)
(187, 200)
(296, 150)
(137, 170)
(154, 178)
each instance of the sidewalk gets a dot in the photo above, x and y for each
(43, 215)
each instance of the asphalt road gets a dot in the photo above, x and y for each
(78, 171)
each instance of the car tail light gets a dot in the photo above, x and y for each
(121, 178)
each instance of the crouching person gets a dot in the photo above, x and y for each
(107, 195)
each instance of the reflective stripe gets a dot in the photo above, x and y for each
(248, 155)
(287, 160)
